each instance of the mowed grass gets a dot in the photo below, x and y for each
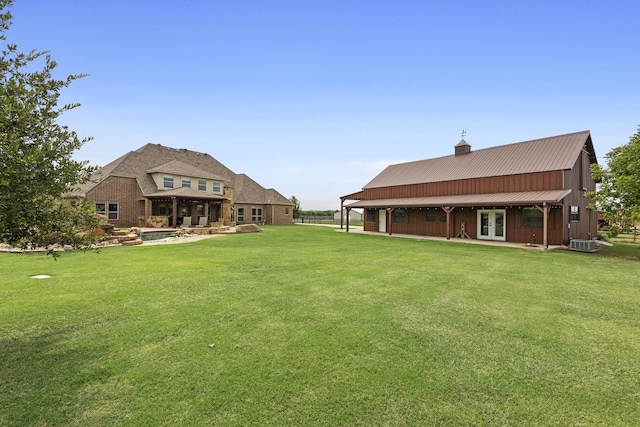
(308, 326)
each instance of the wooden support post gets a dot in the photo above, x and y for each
(545, 223)
(390, 220)
(175, 212)
(348, 210)
(448, 210)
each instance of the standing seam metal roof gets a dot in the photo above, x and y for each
(540, 155)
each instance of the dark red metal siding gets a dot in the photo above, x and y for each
(538, 181)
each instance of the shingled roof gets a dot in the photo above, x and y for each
(151, 158)
(540, 155)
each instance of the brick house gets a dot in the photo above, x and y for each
(528, 192)
(163, 187)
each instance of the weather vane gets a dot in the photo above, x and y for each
(463, 133)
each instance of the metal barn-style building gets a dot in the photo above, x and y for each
(531, 192)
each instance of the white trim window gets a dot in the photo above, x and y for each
(112, 212)
(101, 208)
(167, 181)
(240, 213)
(108, 209)
(256, 214)
(186, 182)
(575, 213)
(202, 185)
(217, 187)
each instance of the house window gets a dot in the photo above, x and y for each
(101, 208)
(168, 181)
(575, 213)
(286, 211)
(217, 187)
(186, 182)
(108, 209)
(371, 215)
(113, 210)
(430, 215)
(532, 218)
(398, 215)
(240, 214)
(202, 185)
(443, 215)
(256, 214)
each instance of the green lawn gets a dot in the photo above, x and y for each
(316, 327)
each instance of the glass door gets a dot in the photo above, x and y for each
(491, 224)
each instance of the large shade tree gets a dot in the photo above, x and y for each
(618, 194)
(37, 170)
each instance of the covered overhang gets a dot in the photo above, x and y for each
(540, 199)
(185, 193)
(523, 198)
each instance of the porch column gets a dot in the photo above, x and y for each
(341, 221)
(175, 212)
(390, 220)
(348, 210)
(147, 211)
(448, 210)
(545, 223)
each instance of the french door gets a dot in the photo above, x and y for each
(491, 224)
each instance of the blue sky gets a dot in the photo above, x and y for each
(314, 98)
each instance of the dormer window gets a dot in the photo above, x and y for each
(202, 185)
(186, 182)
(168, 181)
(217, 187)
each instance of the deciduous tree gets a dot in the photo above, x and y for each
(618, 194)
(36, 165)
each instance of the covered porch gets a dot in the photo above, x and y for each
(178, 208)
(520, 217)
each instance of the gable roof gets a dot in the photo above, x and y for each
(539, 155)
(177, 167)
(246, 190)
(155, 158)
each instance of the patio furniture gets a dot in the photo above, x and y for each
(186, 222)
(202, 222)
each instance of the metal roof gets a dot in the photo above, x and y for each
(522, 198)
(540, 155)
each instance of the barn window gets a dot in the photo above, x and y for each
(430, 215)
(443, 215)
(371, 215)
(398, 215)
(532, 218)
(575, 213)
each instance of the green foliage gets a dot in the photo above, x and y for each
(618, 194)
(36, 165)
(296, 206)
